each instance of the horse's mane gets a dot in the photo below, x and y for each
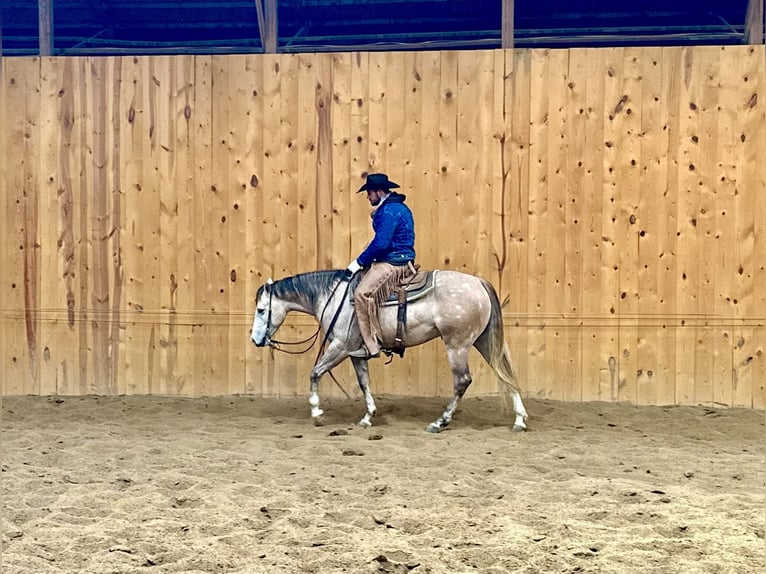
(307, 287)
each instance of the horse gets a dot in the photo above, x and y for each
(462, 309)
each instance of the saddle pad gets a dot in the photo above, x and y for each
(420, 285)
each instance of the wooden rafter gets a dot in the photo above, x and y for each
(45, 23)
(754, 22)
(267, 24)
(508, 24)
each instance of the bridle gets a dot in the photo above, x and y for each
(311, 339)
(275, 344)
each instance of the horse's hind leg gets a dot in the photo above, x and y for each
(363, 378)
(519, 424)
(461, 375)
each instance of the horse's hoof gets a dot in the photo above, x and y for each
(519, 428)
(364, 423)
(319, 421)
(434, 428)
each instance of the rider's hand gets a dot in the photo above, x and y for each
(352, 269)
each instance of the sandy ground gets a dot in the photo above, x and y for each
(247, 485)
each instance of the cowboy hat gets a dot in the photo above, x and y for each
(377, 181)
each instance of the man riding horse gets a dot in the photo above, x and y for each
(386, 260)
(461, 309)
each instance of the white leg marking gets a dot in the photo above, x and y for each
(314, 402)
(521, 413)
(366, 421)
(371, 408)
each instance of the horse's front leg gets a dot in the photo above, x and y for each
(316, 411)
(363, 378)
(331, 358)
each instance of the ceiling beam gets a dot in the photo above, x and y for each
(754, 22)
(45, 24)
(267, 24)
(508, 24)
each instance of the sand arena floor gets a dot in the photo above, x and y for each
(145, 485)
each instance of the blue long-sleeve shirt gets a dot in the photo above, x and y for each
(394, 240)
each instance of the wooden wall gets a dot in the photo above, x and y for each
(616, 198)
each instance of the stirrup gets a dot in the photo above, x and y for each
(363, 353)
(394, 351)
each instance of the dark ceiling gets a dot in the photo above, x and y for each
(194, 26)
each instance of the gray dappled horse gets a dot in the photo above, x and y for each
(462, 309)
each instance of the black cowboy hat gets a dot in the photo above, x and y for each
(377, 181)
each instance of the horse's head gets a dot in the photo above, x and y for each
(270, 312)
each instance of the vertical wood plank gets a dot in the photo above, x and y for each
(167, 124)
(323, 166)
(610, 213)
(359, 162)
(101, 232)
(27, 353)
(672, 77)
(538, 376)
(750, 280)
(723, 182)
(272, 159)
(448, 170)
(6, 161)
(336, 91)
(709, 340)
(71, 367)
(654, 373)
(423, 176)
(405, 171)
(360, 151)
(513, 284)
(374, 146)
(342, 104)
(53, 299)
(302, 194)
(31, 227)
(686, 246)
(468, 193)
(16, 91)
(132, 137)
(577, 160)
(598, 323)
(254, 170)
(181, 287)
(216, 205)
(114, 122)
(627, 116)
(377, 112)
(83, 201)
(205, 204)
(296, 228)
(757, 58)
(241, 130)
(556, 224)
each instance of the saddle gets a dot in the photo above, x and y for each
(411, 288)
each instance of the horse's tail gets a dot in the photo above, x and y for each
(491, 344)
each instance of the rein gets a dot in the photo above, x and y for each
(274, 344)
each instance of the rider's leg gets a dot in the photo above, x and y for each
(366, 305)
